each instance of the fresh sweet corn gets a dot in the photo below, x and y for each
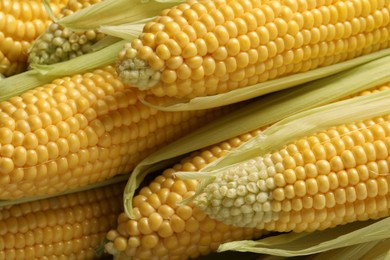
(160, 217)
(336, 176)
(21, 22)
(80, 130)
(70, 226)
(202, 48)
(164, 230)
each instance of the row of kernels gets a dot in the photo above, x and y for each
(56, 150)
(58, 249)
(171, 234)
(351, 176)
(345, 137)
(381, 20)
(75, 5)
(63, 225)
(365, 185)
(44, 231)
(30, 10)
(333, 209)
(221, 68)
(39, 144)
(21, 30)
(338, 152)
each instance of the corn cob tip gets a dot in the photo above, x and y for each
(59, 44)
(242, 195)
(205, 48)
(134, 69)
(110, 249)
(336, 176)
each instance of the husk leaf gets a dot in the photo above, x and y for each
(42, 74)
(105, 42)
(293, 244)
(359, 251)
(114, 12)
(126, 31)
(49, 10)
(263, 88)
(262, 112)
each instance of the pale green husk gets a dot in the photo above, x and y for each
(373, 250)
(293, 244)
(105, 42)
(261, 112)
(125, 31)
(114, 12)
(263, 88)
(42, 74)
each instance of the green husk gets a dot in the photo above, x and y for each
(105, 42)
(126, 31)
(261, 112)
(377, 249)
(42, 74)
(260, 89)
(49, 10)
(293, 244)
(114, 12)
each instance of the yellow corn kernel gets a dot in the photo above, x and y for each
(70, 226)
(283, 37)
(164, 230)
(58, 44)
(336, 176)
(80, 130)
(21, 22)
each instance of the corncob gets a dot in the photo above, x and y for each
(58, 44)
(336, 176)
(21, 23)
(202, 48)
(162, 229)
(80, 130)
(70, 226)
(156, 229)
